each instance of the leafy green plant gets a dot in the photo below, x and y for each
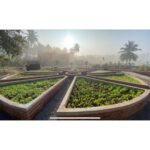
(19, 76)
(41, 70)
(123, 78)
(89, 93)
(25, 92)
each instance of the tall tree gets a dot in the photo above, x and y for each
(31, 38)
(75, 49)
(11, 42)
(31, 41)
(128, 52)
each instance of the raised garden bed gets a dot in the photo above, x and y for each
(26, 78)
(126, 79)
(123, 78)
(92, 97)
(88, 93)
(40, 72)
(19, 76)
(25, 99)
(104, 72)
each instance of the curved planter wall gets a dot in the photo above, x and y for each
(28, 111)
(116, 111)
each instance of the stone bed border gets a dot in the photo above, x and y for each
(110, 112)
(29, 110)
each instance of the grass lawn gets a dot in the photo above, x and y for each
(25, 92)
(88, 93)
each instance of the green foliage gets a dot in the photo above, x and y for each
(3, 60)
(11, 42)
(123, 78)
(127, 52)
(41, 70)
(31, 38)
(25, 92)
(88, 93)
(19, 76)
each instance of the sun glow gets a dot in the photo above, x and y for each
(68, 42)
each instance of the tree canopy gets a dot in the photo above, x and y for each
(31, 38)
(11, 42)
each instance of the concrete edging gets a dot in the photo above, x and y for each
(116, 111)
(29, 110)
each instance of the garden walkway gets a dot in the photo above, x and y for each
(143, 77)
(51, 108)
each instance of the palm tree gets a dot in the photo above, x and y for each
(127, 52)
(75, 49)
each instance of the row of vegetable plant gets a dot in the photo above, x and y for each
(25, 92)
(124, 78)
(20, 76)
(89, 93)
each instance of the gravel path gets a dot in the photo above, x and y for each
(51, 108)
(143, 77)
(4, 116)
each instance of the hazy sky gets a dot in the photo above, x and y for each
(100, 42)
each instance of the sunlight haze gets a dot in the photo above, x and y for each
(95, 42)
